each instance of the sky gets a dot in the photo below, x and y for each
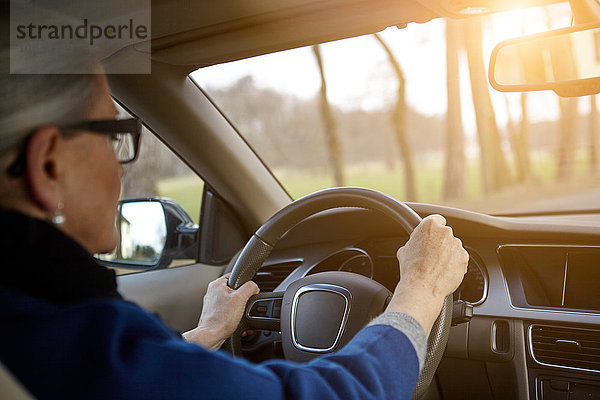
(359, 76)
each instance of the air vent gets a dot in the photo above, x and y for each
(571, 348)
(269, 276)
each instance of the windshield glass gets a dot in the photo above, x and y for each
(410, 112)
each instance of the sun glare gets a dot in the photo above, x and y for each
(515, 23)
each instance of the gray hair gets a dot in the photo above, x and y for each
(28, 101)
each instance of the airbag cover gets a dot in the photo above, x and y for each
(321, 312)
(316, 326)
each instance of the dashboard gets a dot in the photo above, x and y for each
(534, 283)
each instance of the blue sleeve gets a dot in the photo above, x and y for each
(378, 363)
(116, 350)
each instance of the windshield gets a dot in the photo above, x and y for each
(410, 112)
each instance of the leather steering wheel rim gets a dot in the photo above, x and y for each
(264, 239)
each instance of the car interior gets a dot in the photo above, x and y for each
(525, 322)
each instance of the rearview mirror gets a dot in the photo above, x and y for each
(566, 61)
(153, 233)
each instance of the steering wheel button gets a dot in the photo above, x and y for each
(276, 310)
(262, 308)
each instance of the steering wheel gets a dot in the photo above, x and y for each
(320, 313)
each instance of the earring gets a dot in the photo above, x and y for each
(58, 218)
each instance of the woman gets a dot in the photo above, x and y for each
(74, 180)
(67, 333)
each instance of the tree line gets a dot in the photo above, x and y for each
(313, 135)
(495, 171)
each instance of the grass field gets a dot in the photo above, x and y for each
(187, 190)
(429, 178)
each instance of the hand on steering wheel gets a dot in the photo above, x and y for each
(351, 299)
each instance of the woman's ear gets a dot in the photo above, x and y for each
(43, 168)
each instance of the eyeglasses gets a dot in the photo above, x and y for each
(124, 134)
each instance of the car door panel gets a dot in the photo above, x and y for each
(175, 294)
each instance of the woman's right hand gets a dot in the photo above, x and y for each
(432, 265)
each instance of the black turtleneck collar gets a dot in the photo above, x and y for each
(41, 261)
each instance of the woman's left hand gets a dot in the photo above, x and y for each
(222, 311)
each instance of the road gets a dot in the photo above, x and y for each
(588, 199)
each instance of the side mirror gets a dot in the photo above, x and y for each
(153, 233)
(566, 61)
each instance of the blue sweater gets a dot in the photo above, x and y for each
(112, 349)
(65, 333)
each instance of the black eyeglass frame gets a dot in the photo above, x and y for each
(132, 126)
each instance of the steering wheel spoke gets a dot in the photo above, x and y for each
(263, 311)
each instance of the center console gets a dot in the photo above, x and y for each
(563, 361)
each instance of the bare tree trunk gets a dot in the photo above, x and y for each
(524, 138)
(454, 179)
(569, 116)
(399, 120)
(141, 176)
(567, 137)
(333, 142)
(494, 164)
(593, 135)
(519, 138)
(513, 134)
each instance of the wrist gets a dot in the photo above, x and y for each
(418, 302)
(210, 338)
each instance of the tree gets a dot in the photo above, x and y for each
(141, 176)
(399, 122)
(523, 141)
(454, 179)
(333, 142)
(495, 171)
(519, 139)
(593, 135)
(562, 57)
(562, 53)
(285, 130)
(565, 152)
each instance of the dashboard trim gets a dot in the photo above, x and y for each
(564, 288)
(481, 266)
(362, 253)
(541, 310)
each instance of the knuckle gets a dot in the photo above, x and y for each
(437, 219)
(254, 287)
(459, 244)
(427, 223)
(250, 288)
(400, 251)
